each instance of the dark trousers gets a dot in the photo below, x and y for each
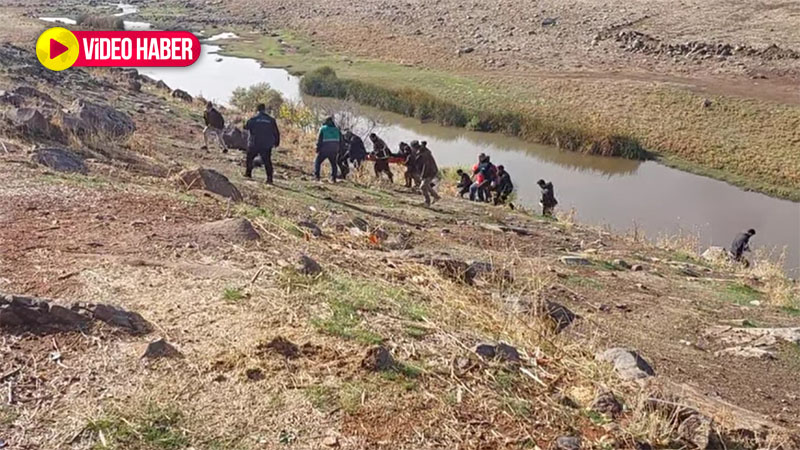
(322, 155)
(344, 166)
(266, 160)
(412, 176)
(382, 166)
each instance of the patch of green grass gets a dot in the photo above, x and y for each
(790, 353)
(323, 398)
(596, 417)
(232, 294)
(155, 429)
(741, 294)
(415, 332)
(583, 282)
(792, 311)
(350, 395)
(605, 265)
(252, 213)
(505, 380)
(345, 322)
(413, 311)
(7, 415)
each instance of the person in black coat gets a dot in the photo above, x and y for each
(355, 148)
(741, 245)
(464, 182)
(264, 136)
(503, 187)
(548, 200)
(215, 127)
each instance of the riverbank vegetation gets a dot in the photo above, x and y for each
(747, 142)
(100, 22)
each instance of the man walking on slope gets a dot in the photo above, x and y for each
(264, 136)
(215, 126)
(548, 200)
(740, 245)
(329, 143)
(428, 171)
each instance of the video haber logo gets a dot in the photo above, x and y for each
(59, 48)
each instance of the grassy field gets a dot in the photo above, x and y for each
(750, 143)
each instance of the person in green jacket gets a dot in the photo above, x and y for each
(329, 144)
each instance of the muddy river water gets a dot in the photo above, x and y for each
(620, 194)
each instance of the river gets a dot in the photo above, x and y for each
(620, 194)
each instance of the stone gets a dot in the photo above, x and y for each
(32, 313)
(32, 92)
(568, 443)
(209, 180)
(637, 268)
(254, 374)
(237, 230)
(85, 118)
(549, 21)
(485, 350)
(607, 403)
(182, 95)
(501, 351)
(131, 321)
(748, 352)
(558, 314)
(11, 98)
(464, 51)
(33, 123)
(308, 266)
(135, 86)
(161, 85)
(330, 441)
(698, 431)
(161, 349)
(716, 255)
(628, 364)
(378, 359)
(359, 223)
(311, 227)
(59, 160)
(622, 264)
(574, 261)
(235, 138)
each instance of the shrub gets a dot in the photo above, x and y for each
(103, 22)
(246, 99)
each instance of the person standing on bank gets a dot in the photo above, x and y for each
(215, 126)
(428, 171)
(741, 245)
(264, 136)
(355, 148)
(329, 144)
(548, 200)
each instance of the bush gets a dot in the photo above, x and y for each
(101, 22)
(246, 99)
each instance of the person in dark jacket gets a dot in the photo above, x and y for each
(343, 159)
(329, 144)
(382, 154)
(412, 169)
(548, 200)
(355, 148)
(503, 186)
(487, 174)
(264, 136)
(215, 126)
(741, 245)
(428, 171)
(464, 183)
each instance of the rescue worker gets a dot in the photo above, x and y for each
(741, 245)
(503, 186)
(409, 152)
(382, 154)
(215, 126)
(464, 183)
(548, 200)
(473, 189)
(264, 136)
(488, 173)
(329, 144)
(343, 159)
(355, 148)
(428, 171)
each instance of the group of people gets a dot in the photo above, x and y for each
(486, 183)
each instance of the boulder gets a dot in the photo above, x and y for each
(308, 266)
(237, 230)
(135, 85)
(501, 351)
(59, 160)
(32, 92)
(130, 321)
(628, 364)
(161, 349)
(568, 443)
(33, 313)
(182, 95)
(33, 123)
(85, 118)
(235, 138)
(161, 85)
(209, 180)
(311, 227)
(378, 359)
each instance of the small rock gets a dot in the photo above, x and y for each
(607, 403)
(698, 431)
(182, 95)
(378, 359)
(550, 21)
(60, 160)
(621, 263)
(209, 180)
(507, 353)
(628, 364)
(254, 374)
(131, 321)
(637, 268)
(330, 441)
(308, 266)
(464, 51)
(310, 226)
(574, 261)
(359, 223)
(568, 443)
(485, 350)
(161, 349)
(707, 103)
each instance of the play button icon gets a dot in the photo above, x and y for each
(57, 48)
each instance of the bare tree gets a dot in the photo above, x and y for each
(348, 115)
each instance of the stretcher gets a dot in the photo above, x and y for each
(392, 159)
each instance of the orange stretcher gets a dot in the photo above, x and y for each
(392, 159)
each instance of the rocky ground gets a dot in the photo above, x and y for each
(153, 298)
